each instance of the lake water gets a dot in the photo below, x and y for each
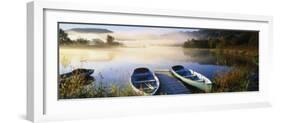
(115, 65)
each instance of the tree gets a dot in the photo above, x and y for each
(223, 39)
(63, 37)
(254, 40)
(110, 39)
(82, 41)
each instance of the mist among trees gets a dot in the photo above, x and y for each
(65, 40)
(223, 39)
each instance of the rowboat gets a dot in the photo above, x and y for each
(192, 78)
(77, 74)
(144, 81)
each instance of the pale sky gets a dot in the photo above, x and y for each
(144, 34)
(121, 28)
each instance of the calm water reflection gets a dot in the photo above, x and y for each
(114, 65)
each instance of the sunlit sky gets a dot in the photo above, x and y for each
(121, 28)
(122, 33)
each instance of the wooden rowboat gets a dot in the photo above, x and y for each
(192, 78)
(144, 81)
(77, 74)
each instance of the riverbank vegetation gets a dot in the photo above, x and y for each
(236, 80)
(76, 90)
(243, 75)
(77, 86)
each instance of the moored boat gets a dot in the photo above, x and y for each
(144, 81)
(77, 74)
(192, 78)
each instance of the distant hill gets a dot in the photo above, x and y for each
(89, 30)
(205, 34)
(201, 34)
(181, 35)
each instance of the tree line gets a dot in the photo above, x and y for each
(65, 40)
(223, 39)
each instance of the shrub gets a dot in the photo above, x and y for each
(235, 80)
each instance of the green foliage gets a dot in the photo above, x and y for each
(63, 37)
(254, 40)
(98, 42)
(82, 41)
(64, 40)
(196, 44)
(223, 39)
(110, 39)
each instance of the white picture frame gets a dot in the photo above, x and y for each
(41, 100)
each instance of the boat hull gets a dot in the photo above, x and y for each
(204, 86)
(138, 91)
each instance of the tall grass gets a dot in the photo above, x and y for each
(233, 81)
(116, 91)
(75, 87)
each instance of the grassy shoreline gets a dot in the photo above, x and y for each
(237, 52)
(77, 86)
(240, 78)
(231, 51)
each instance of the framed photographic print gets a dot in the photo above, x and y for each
(86, 61)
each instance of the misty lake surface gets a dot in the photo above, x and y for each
(113, 66)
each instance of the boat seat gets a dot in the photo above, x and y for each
(145, 81)
(196, 78)
(189, 76)
(149, 86)
(141, 74)
(200, 80)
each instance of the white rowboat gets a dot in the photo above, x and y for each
(144, 81)
(192, 78)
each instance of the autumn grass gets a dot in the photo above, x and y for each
(75, 87)
(233, 81)
(237, 51)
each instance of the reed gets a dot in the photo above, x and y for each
(233, 81)
(75, 87)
